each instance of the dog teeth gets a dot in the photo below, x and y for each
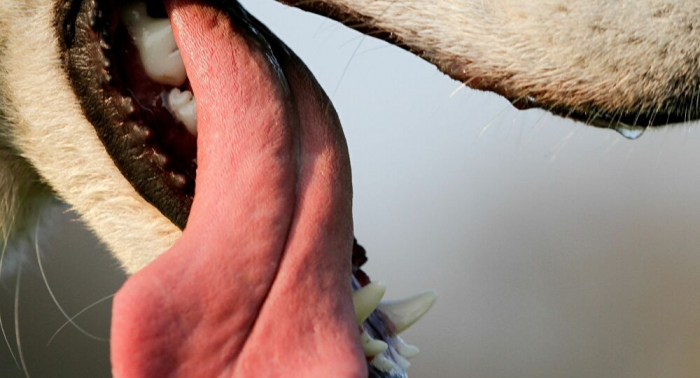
(367, 299)
(156, 44)
(404, 313)
(406, 350)
(182, 104)
(372, 347)
(384, 364)
(402, 362)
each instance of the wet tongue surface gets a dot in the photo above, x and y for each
(259, 283)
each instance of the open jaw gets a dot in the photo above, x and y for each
(223, 129)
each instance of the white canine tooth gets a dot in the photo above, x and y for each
(366, 300)
(178, 99)
(184, 107)
(156, 44)
(406, 312)
(402, 362)
(384, 364)
(372, 347)
(188, 116)
(406, 350)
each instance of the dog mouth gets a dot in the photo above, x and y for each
(214, 121)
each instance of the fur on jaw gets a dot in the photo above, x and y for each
(58, 144)
(636, 60)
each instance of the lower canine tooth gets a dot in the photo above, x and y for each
(404, 313)
(178, 99)
(402, 362)
(183, 106)
(372, 347)
(382, 363)
(366, 300)
(406, 350)
(188, 115)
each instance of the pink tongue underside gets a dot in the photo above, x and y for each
(259, 283)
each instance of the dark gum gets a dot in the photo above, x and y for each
(174, 141)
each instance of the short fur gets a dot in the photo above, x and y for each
(45, 125)
(592, 56)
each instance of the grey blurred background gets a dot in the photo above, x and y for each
(558, 250)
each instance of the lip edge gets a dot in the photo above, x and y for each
(98, 101)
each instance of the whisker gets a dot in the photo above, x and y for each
(7, 341)
(375, 48)
(615, 142)
(560, 146)
(320, 27)
(48, 287)
(349, 41)
(78, 314)
(488, 125)
(19, 345)
(459, 88)
(6, 237)
(347, 66)
(531, 131)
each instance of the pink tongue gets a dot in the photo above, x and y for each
(259, 283)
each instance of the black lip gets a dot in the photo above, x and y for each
(131, 144)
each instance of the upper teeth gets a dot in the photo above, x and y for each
(406, 350)
(156, 44)
(403, 314)
(183, 106)
(372, 347)
(367, 299)
(406, 312)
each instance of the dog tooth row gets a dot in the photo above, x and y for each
(406, 312)
(385, 364)
(366, 299)
(372, 347)
(183, 106)
(406, 350)
(402, 313)
(155, 42)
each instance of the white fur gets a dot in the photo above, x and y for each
(621, 55)
(617, 55)
(47, 126)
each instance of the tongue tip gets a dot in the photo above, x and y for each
(134, 328)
